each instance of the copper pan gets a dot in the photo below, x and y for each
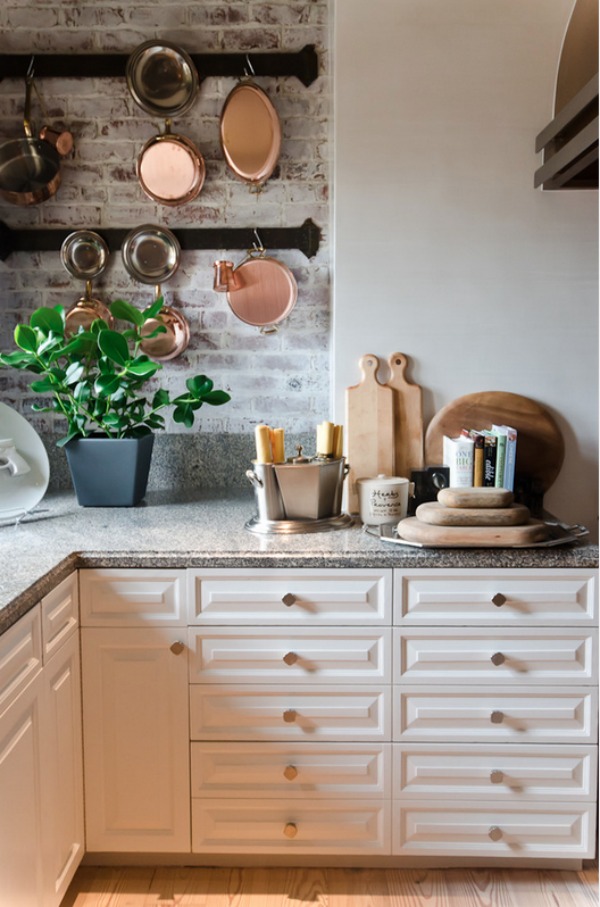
(170, 168)
(85, 311)
(250, 134)
(29, 167)
(261, 291)
(173, 340)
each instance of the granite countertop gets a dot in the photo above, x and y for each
(207, 530)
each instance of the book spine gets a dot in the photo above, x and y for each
(511, 457)
(478, 456)
(458, 457)
(501, 440)
(489, 460)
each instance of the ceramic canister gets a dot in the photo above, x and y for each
(383, 499)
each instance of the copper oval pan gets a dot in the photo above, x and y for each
(170, 169)
(267, 294)
(250, 133)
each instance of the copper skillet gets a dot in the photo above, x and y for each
(151, 254)
(163, 81)
(250, 134)
(84, 254)
(261, 291)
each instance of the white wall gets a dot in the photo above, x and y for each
(443, 249)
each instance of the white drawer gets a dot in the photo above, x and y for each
(486, 771)
(291, 770)
(493, 830)
(307, 826)
(566, 597)
(20, 656)
(304, 596)
(249, 712)
(300, 655)
(521, 715)
(132, 597)
(60, 615)
(508, 656)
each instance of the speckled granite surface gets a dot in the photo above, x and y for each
(207, 530)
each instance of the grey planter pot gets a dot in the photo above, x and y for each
(110, 472)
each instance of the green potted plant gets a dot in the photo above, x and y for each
(96, 378)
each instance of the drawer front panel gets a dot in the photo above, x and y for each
(446, 714)
(493, 830)
(283, 713)
(528, 596)
(481, 772)
(319, 827)
(60, 614)
(305, 596)
(507, 656)
(131, 597)
(268, 654)
(291, 771)
(20, 656)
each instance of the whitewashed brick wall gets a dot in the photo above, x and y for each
(281, 378)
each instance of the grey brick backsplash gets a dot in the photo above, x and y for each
(281, 378)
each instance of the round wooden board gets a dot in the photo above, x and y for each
(540, 444)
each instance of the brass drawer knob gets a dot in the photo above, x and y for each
(288, 599)
(497, 717)
(289, 716)
(499, 599)
(291, 658)
(290, 772)
(495, 833)
(496, 776)
(498, 658)
(177, 647)
(290, 830)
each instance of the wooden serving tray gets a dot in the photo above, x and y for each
(413, 530)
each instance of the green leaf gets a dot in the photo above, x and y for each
(216, 398)
(184, 414)
(161, 398)
(153, 310)
(47, 320)
(26, 338)
(143, 368)
(114, 346)
(74, 373)
(45, 385)
(126, 312)
(199, 385)
(105, 385)
(17, 359)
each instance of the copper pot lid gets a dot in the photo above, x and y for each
(267, 292)
(173, 341)
(84, 254)
(250, 133)
(162, 78)
(170, 169)
(151, 253)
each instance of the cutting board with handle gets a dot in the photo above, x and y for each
(408, 418)
(369, 428)
(540, 444)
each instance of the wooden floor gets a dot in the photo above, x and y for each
(279, 887)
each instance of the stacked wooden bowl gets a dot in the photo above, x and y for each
(473, 517)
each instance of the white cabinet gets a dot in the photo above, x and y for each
(290, 701)
(495, 713)
(135, 706)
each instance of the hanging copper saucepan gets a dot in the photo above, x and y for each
(163, 81)
(261, 291)
(29, 167)
(151, 254)
(84, 255)
(250, 133)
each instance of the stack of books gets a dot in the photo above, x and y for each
(482, 457)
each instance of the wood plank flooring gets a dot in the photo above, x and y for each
(285, 887)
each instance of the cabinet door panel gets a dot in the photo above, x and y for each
(318, 827)
(494, 830)
(275, 596)
(230, 712)
(20, 656)
(136, 740)
(132, 597)
(482, 771)
(60, 615)
(523, 715)
(304, 656)
(527, 596)
(508, 656)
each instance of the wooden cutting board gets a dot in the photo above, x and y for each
(437, 515)
(369, 428)
(413, 530)
(408, 418)
(540, 444)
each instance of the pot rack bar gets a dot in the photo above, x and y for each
(304, 64)
(305, 238)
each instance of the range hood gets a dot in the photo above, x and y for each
(569, 143)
